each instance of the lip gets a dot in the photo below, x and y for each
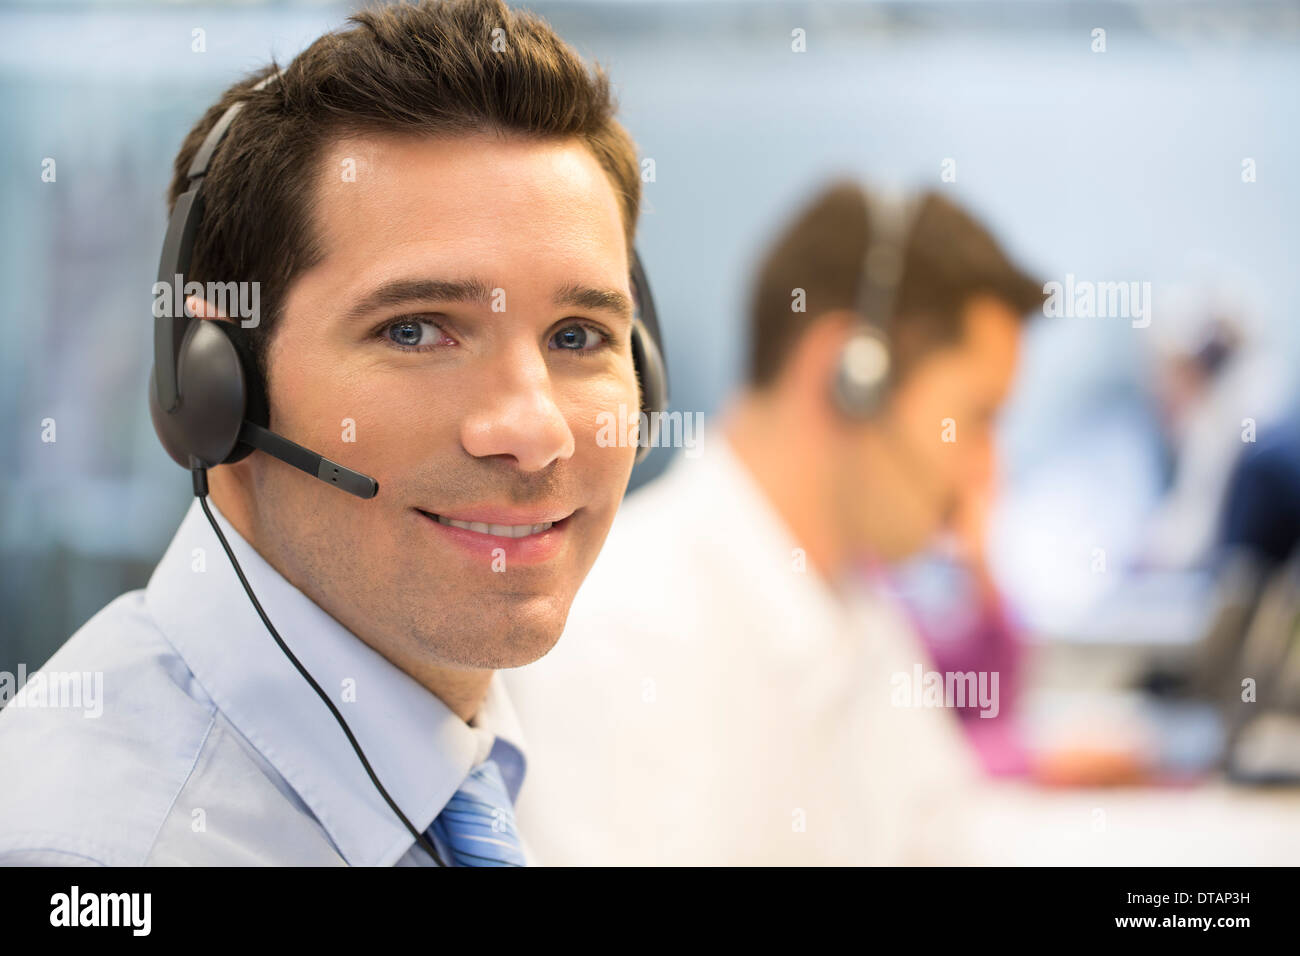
(502, 515)
(490, 549)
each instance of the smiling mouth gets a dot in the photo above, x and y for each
(497, 530)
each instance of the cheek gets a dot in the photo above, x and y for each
(941, 427)
(602, 415)
(931, 415)
(337, 412)
(305, 401)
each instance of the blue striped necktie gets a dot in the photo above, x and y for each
(478, 823)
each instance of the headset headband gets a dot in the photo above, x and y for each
(890, 216)
(178, 248)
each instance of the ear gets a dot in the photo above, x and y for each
(203, 309)
(810, 372)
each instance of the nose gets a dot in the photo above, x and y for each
(517, 416)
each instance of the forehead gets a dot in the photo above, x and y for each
(475, 198)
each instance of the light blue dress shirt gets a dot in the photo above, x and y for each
(211, 749)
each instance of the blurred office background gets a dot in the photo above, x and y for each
(1122, 165)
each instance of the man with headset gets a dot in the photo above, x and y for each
(726, 692)
(439, 208)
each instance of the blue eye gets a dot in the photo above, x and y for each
(579, 338)
(412, 333)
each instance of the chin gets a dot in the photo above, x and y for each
(905, 543)
(924, 542)
(522, 632)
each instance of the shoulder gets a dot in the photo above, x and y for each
(657, 533)
(98, 743)
(647, 608)
(653, 552)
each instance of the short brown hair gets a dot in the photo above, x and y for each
(949, 259)
(425, 69)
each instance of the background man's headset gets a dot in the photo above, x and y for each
(865, 371)
(209, 406)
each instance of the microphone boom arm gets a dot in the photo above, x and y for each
(318, 466)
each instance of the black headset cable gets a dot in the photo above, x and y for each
(200, 476)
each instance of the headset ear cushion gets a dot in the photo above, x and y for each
(256, 408)
(203, 430)
(862, 374)
(652, 379)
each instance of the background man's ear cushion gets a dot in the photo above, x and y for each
(257, 410)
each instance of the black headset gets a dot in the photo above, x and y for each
(206, 393)
(209, 407)
(865, 371)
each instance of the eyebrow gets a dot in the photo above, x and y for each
(475, 291)
(600, 300)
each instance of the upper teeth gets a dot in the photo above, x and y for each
(501, 530)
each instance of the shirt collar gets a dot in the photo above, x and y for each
(804, 608)
(420, 750)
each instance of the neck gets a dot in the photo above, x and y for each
(782, 456)
(462, 690)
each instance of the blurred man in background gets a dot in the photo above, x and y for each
(727, 691)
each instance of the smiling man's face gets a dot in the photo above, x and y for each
(468, 324)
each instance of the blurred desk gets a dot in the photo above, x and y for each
(1147, 610)
(1211, 825)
